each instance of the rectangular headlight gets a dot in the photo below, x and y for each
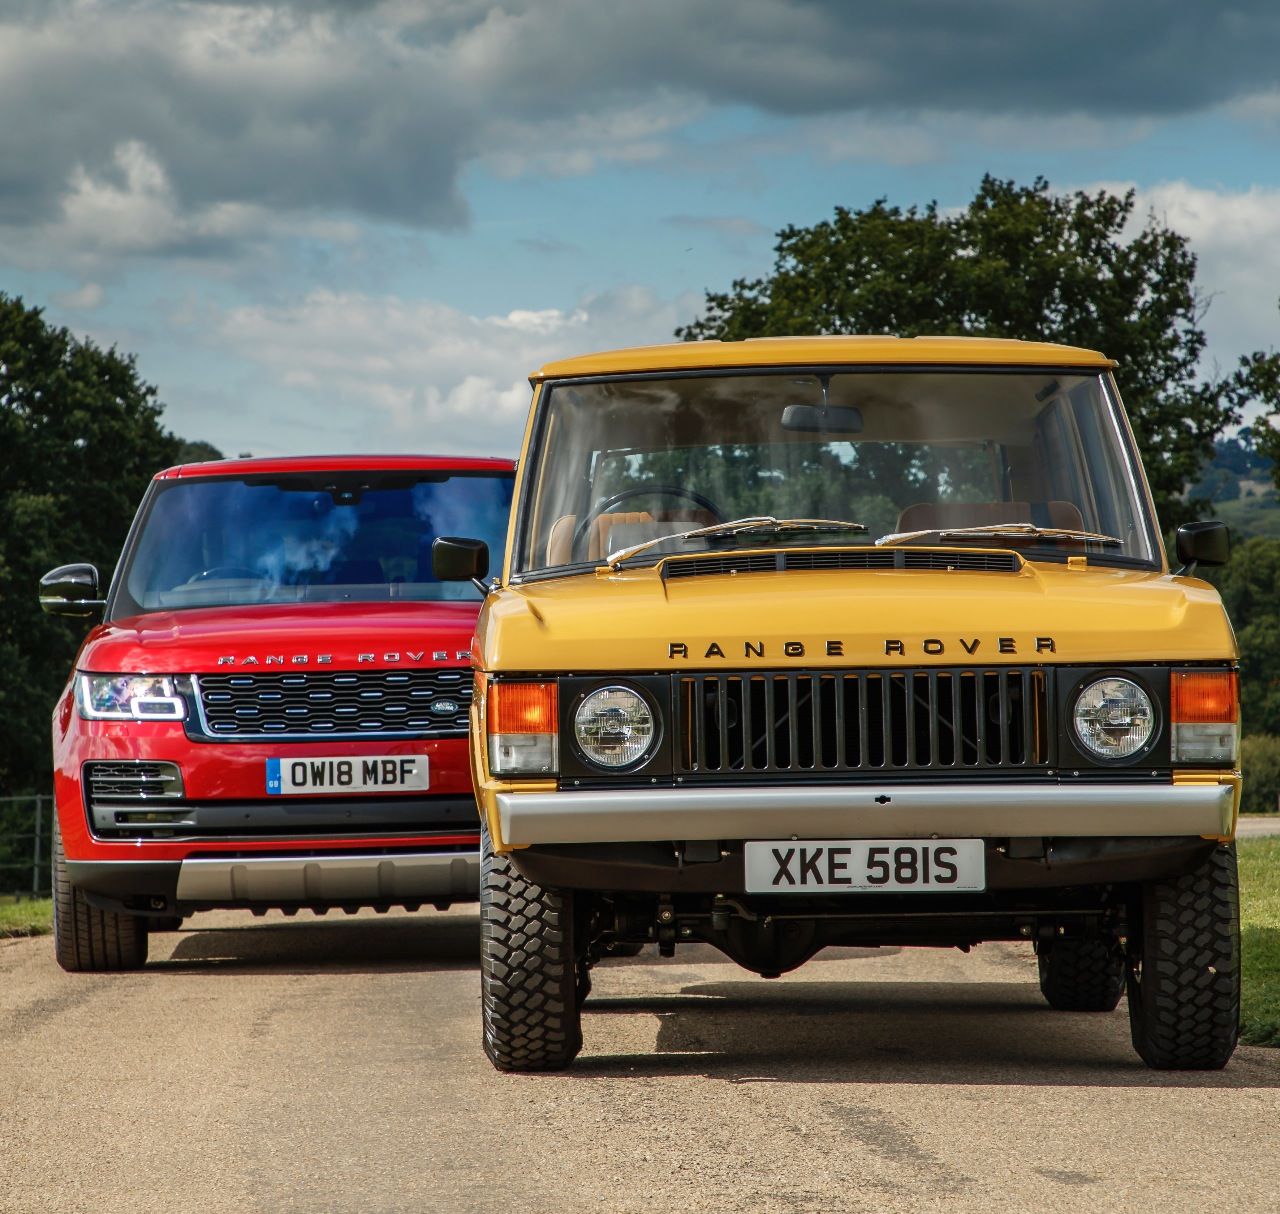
(1205, 715)
(128, 697)
(523, 724)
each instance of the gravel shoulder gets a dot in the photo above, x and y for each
(335, 1064)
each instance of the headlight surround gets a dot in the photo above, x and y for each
(1114, 718)
(129, 697)
(615, 727)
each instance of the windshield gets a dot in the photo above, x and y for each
(627, 461)
(306, 538)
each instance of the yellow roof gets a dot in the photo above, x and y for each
(814, 351)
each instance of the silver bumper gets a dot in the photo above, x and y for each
(334, 879)
(885, 812)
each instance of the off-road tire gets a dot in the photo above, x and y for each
(529, 994)
(1184, 974)
(1082, 975)
(88, 940)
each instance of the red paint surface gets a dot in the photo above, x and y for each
(357, 636)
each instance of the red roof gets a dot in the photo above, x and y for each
(339, 463)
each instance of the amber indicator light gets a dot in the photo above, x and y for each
(1204, 696)
(523, 708)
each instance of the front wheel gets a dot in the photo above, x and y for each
(86, 939)
(529, 981)
(1184, 974)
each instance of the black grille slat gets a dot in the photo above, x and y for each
(333, 704)
(805, 722)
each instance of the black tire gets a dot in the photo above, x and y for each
(1082, 975)
(1184, 974)
(87, 940)
(529, 988)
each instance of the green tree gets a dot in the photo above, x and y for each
(80, 436)
(197, 451)
(1018, 261)
(1250, 588)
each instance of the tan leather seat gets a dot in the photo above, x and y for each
(932, 516)
(560, 539)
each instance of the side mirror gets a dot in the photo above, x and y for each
(459, 560)
(71, 590)
(1203, 544)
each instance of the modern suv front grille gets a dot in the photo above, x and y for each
(132, 780)
(337, 703)
(811, 722)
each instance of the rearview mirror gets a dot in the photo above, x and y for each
(1203, 544)
(71, 590)
(459, 560)
(822, 419)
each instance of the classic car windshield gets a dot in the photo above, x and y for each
(302, 538)
(625, 461)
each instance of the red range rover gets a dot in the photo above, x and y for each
(273, 712)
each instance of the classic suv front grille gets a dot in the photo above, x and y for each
(132, 780)
(856, 558)
(338, 703)
(810, 722)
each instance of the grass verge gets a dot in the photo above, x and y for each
(1260, 940)
(26, 918)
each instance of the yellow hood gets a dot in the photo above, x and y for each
(634, 620)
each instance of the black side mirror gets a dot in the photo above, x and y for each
(71, 590)
(459, 560)
(1203, 544)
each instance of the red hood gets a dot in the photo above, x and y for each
(351, 635)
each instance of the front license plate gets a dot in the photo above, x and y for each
(826, 866)
(347, 773)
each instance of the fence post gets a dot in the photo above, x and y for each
(35, 859)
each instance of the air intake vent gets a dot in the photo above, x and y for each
(704, 565)
(966, 562)
(130, 780)
(857, 558)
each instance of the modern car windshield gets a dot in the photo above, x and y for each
(1028, 455)
(305, 538)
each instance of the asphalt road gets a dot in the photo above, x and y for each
(264, 1065)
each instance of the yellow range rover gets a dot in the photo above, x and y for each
(851, 641)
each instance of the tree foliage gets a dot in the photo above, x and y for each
(1024, 262)
(80, 436)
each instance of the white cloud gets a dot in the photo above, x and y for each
(418, 375)
(1236, 238)
(84, 298)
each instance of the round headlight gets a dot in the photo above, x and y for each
(1114, 718)
(614, 727)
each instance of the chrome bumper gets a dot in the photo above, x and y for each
(866, 812)
(333, 880)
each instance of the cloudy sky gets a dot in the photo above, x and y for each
(358, 225)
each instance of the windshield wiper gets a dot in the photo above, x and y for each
(763, 524)
(1002, 530)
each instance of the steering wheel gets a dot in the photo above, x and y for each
(227, 572)
(580, 532)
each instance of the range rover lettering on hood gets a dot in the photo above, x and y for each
(893, 647)
(326, 659)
